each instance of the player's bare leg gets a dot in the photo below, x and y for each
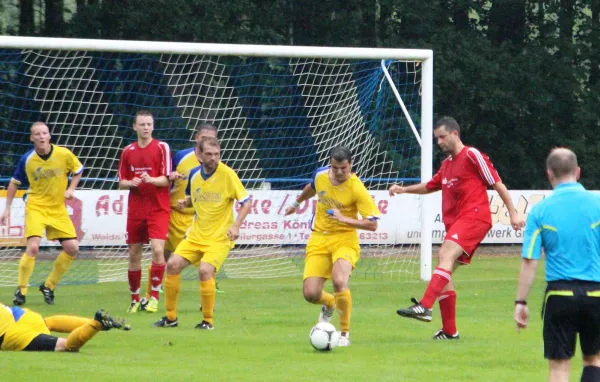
(312, 289)
(157, 273)
(175, 265)
(134, 274)
(26, 265)
(59, 268)
(559, 370)
(340, 275)
(442, 275)
(208, 293)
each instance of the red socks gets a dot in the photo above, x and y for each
(135, 279)
(447, 301)
(439, 280)
(157, 273)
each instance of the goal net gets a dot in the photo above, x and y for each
(278, 110)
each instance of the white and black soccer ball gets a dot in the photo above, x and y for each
(324, 336)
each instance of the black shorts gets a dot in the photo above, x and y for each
(571, 308)
(43, 342)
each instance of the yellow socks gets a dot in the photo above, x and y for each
(26, 265)
(343, 302)
(61, 265)
(208, 292)
(82, 334)
(326, 299)
(172, 285)
(149, 282)
(65, 324)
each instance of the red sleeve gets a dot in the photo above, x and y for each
(484, 166)
(165, 159)
(436, 182)
(124, 173)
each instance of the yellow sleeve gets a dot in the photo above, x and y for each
(364, 202)
(73, 164)
(239, 192)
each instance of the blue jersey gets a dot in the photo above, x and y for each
(567, 225)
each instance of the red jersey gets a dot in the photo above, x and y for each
(464, 180)
(155, 159)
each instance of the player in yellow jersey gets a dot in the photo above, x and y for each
(211, 190)
(333, 248)
(45, 170)
(181, 219)
(23, 329)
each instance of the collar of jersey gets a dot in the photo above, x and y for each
(568, 186)
(206, 176)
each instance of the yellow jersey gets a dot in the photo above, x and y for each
(212, 199)
(8, 317)
(183, 162)
(350, 198)
(48, 178)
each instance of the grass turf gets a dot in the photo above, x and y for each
(261, 333)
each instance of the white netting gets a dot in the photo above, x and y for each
(277, 120)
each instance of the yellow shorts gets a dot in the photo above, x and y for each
(54, 222)
(323, 250)
(214, 254)
(29, 326)
(179, 223)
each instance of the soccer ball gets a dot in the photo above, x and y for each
(324, 337)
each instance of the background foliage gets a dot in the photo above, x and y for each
(520, 76)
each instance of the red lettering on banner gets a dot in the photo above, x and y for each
(265, 206)
(383, 205)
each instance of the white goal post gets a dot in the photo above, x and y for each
(171, 53)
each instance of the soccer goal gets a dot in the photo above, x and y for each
(278, 110)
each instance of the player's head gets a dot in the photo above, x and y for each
(561, 166)
(143, 124)
(340, 163)
(205, 130)
(208, 151)
(447, 134)
(40, 135)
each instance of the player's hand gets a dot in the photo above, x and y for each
(516, 221)
(147, 178)
(290, 210)
(135, 182)
(335, 214)
(174, 176)
(69, 194)
(396, 189)
(5, 216)
(521, 316)
(181, 204)
(233, 233)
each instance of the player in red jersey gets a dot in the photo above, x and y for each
(144, 170)
(463, 178)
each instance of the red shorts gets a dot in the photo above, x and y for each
(468, 233)
(153, 226)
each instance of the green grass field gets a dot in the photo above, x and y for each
(261, 333)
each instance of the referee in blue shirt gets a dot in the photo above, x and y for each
(567, 226)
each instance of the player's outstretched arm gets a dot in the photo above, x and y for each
(307, 193)
(10, 195)
(419, 189)
(515, 219)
